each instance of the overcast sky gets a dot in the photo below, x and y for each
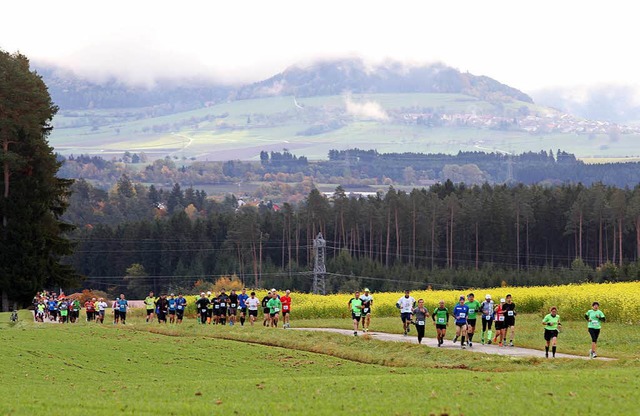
(528, 45)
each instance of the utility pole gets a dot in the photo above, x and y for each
(319, 269)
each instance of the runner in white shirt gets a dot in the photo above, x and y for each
(101, 307)
(252, 303)
(367, 303)
(406, 305)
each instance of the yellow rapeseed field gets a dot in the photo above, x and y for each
(618, 300)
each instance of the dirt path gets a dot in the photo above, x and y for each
(448, 344)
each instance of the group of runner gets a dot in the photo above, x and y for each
(60, 308)
(218, 308)
(465, 316)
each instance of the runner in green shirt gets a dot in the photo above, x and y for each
(150, 304)
(355, 306)
(274, 306)
(551, 323)
(474, 306)
(440, 318)
(595, 317)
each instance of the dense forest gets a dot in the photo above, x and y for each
(448, 235)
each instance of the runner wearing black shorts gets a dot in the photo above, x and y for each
(233, 307)
(223, 299)
(265, 309)
(509, 319)
(202, 305)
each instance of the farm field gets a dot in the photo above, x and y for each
(193, 369)
(241, 129)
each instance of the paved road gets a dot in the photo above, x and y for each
(448, 344)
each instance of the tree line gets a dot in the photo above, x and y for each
(448, 235)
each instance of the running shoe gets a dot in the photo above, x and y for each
(511, 343)
(595, 355)
(471, 345)
(355, 333)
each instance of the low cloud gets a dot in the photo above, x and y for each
(369, 110)
(606, 102)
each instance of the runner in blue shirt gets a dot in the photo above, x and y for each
(181, 304)
(172, 308)
(53, 309)
(460, 314)
(242, 304)
(122, 308)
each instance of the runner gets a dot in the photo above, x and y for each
(421, 315)
(499, 316)
(265, 309)
(63, 307)
(53, 309)
(116, 312)
(74, 306)
(274, 308)
(242, 305)
(162, 308)
(406, 305)
(474, 307)
(202, 305)
(223, 300)
(355, 305)
(233, 307)
(101, 307)
(367, 303)
(213, 307)
(440, 318)
(40, 310)
(172, 303)
(181, 305)
(487, 318)
(509, 319)
(595, 317)
(286, 309)
(252, 304)
(460, 314)
(150, 304)
(123, 305)
(551, 324)
(90, 308)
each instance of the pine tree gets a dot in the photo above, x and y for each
(32, 237)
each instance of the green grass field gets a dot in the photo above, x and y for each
(276, 122)
(193, 369)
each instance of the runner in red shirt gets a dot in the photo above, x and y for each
(90, 307)
(286, 308)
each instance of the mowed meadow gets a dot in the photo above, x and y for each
(192, 369)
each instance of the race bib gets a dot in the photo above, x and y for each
(217, 306)
(487, 317)
(595, 321)
(501, 318)
(239, 308)
(180, 306)
(203, 310)
(441, 320)
(420, 322)
(276, 310)
(285, 307)
(356, 314)
(510, 313)
(222, 304)
(471, 311)
(461, 315)
(365, 310)
(233, 305)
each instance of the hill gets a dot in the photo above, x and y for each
(334, 77)
(312, 109)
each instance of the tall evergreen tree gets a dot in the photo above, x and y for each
(32, 236)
